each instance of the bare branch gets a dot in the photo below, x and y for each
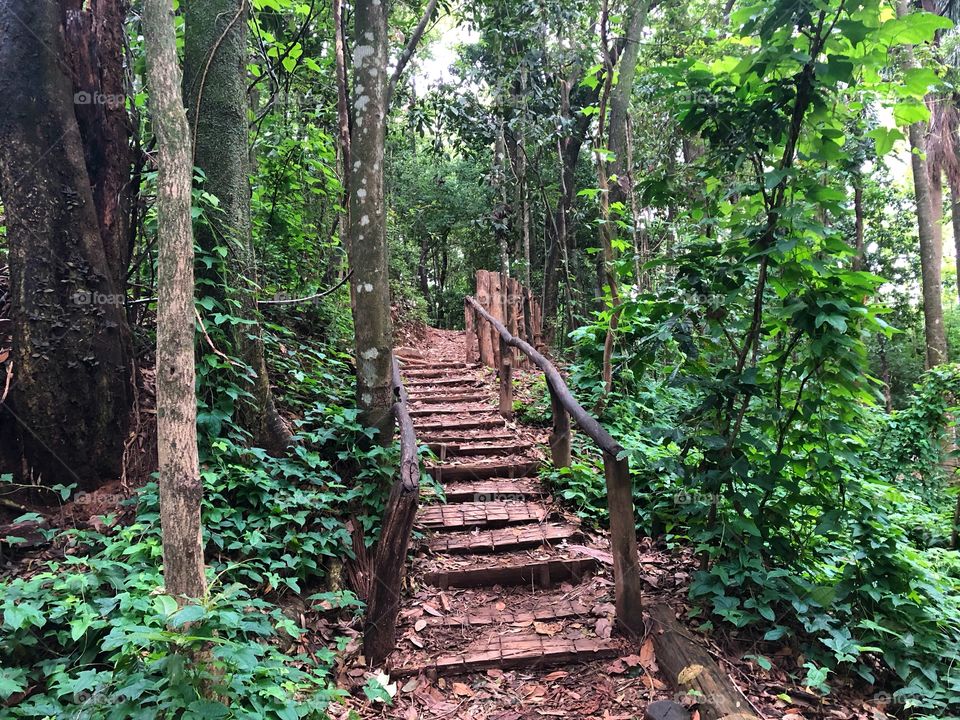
(411, 47)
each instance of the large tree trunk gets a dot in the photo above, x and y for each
(373, 326)
(71, 396)
(181, 488)
(215, 58)
(95, 42)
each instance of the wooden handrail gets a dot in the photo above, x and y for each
(616, 468)
(383, 602)
(589, 424)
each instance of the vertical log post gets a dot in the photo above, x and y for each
(506, 380)
(623, 541)
(470, 319)
(484, 331)
(495, 308)
(560, 434)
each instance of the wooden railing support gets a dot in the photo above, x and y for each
(390, 557)
(470, 321)
(560, 435)
(623, 542)
(506, 381)
(623, 532)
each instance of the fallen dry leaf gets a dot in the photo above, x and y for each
(420, 625)
(462, 690)
(542, 628)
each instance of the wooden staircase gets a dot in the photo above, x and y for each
(497, 529)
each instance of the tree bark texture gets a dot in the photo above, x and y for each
(369, 260)
(215, 60)
(181, 488)
(71, 348)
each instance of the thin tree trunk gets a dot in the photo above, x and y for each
(181, 488)
(373, 326)
(931, 253)
(215, 57)
(343, 116)
(858, 259)
(70, 398)
(955, 216)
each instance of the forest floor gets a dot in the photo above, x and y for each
(485, 632)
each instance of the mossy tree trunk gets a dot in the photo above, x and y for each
(215, 61)
(70, 397)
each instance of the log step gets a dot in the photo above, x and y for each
(454, 424)
(516, 651)
(439, 399)
(503, 539)
(468, 381)
(462, 410)
(442, 450)
(420, 372)
(487, 490)
(540, 573)
(464, 439)
(484, 471)
(480, 514)
(557, 609)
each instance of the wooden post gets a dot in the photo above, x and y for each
(623, 541)
(506, 380)
(484, 330)
(496, 309)
(469, 321)
(560, 435)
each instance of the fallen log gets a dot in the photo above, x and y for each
(691, 669)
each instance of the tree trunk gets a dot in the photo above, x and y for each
(858, 259)
(71, 345)
(955, 216)
(558, 230)
(931, 253)
(181, 488)
(373, 326)
(95, 42)
(215, 57)
(343, 116)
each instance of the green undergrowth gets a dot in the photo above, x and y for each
(90, 634)
(851, 577)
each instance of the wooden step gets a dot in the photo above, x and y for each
(426, 372)
(416, 364)
(454, 424)
(443, 399)
(540, 573)
(469, 381)
(464, 439)
(515, 651)
(442, 450)
(492, 514)
(466, 411)
(552, 608)
(484, 471)
(487, 490)
(503, 539)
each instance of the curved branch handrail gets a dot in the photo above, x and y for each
(616, 467)
(383, 603)
(589, 424)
